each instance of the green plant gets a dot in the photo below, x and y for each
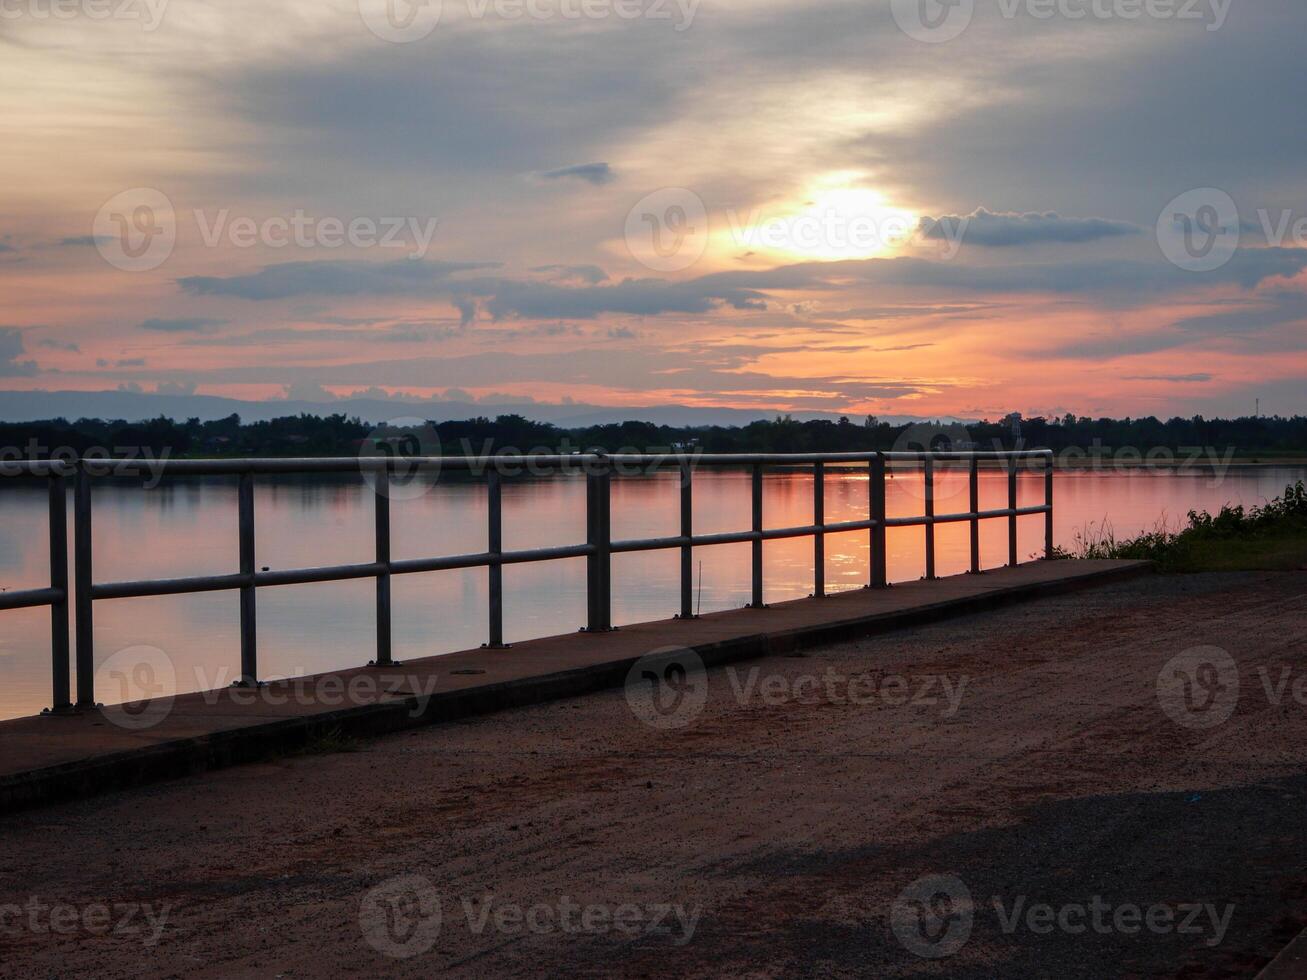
(1233, 537)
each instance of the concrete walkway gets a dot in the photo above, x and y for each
(44, 759)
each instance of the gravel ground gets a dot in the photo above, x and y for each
(1007, 794)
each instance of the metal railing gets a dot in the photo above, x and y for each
(598, 548)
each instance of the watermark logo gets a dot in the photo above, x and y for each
(830, 232)
(933, 916)
(676, 922)
(668, 688)
(1199, 688)
(1199, 230)
(925, 691)
(136, 231)
(304, 230)
(667, 231)
(148, 13)
(933, 21)
(937, 21)
(934, 437)
(400, 918)
(143, 920)
(401, 21)
(406, 442)
(138, 685)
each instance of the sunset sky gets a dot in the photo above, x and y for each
(816, 206)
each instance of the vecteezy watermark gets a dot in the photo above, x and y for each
(937, 21)
(402, 917)
(96, 460)
(934, 917)
(667, 231)
(667, 688)
(318, 690)
(1199, 688)
(1199, 231)
(934, 691)
(137, 230)
(120, 919)
(138, 684)
(827, 231)
(303, 230)
(148, 13)
(411, 448)
(405, 21)
(401, 21)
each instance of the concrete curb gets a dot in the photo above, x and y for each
(1291, 964)
(187, 756)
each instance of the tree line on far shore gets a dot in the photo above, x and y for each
(339, 435)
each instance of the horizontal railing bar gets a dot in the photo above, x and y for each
(849, 526)
(958, 518)
(703, 540)
(333, 573)
(28, 598)
(170, 586)
(36, 467)
(408, 566)
(363, 464)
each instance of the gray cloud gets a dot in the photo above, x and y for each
(635, 368)
(11, 349)
(331, 278)
(592, 173)
(1124, 280)
(183, 325)
(1123, 125)
(1010, 228)
(80, 241)
(1176, 378)
(51, 344)
(573, 273)
(1272, 321)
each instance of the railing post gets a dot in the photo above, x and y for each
(495, 545)
(249, 630)
(82, 597)
(381, 512)
(1048, 502)
(929, 481)
(1012, 506)
(59, 608)
(599, 536)
(819, 538)
(687, 532)
(973, 479)
(756, 601)
(879, 538)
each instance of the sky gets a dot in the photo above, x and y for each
(890, 207)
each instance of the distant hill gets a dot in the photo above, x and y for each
(27, 406)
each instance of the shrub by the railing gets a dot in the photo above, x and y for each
(1199, 544)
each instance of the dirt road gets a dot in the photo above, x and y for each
(1067, 820)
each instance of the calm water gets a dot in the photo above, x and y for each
(188, 527)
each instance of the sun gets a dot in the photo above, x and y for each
(839, 217)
